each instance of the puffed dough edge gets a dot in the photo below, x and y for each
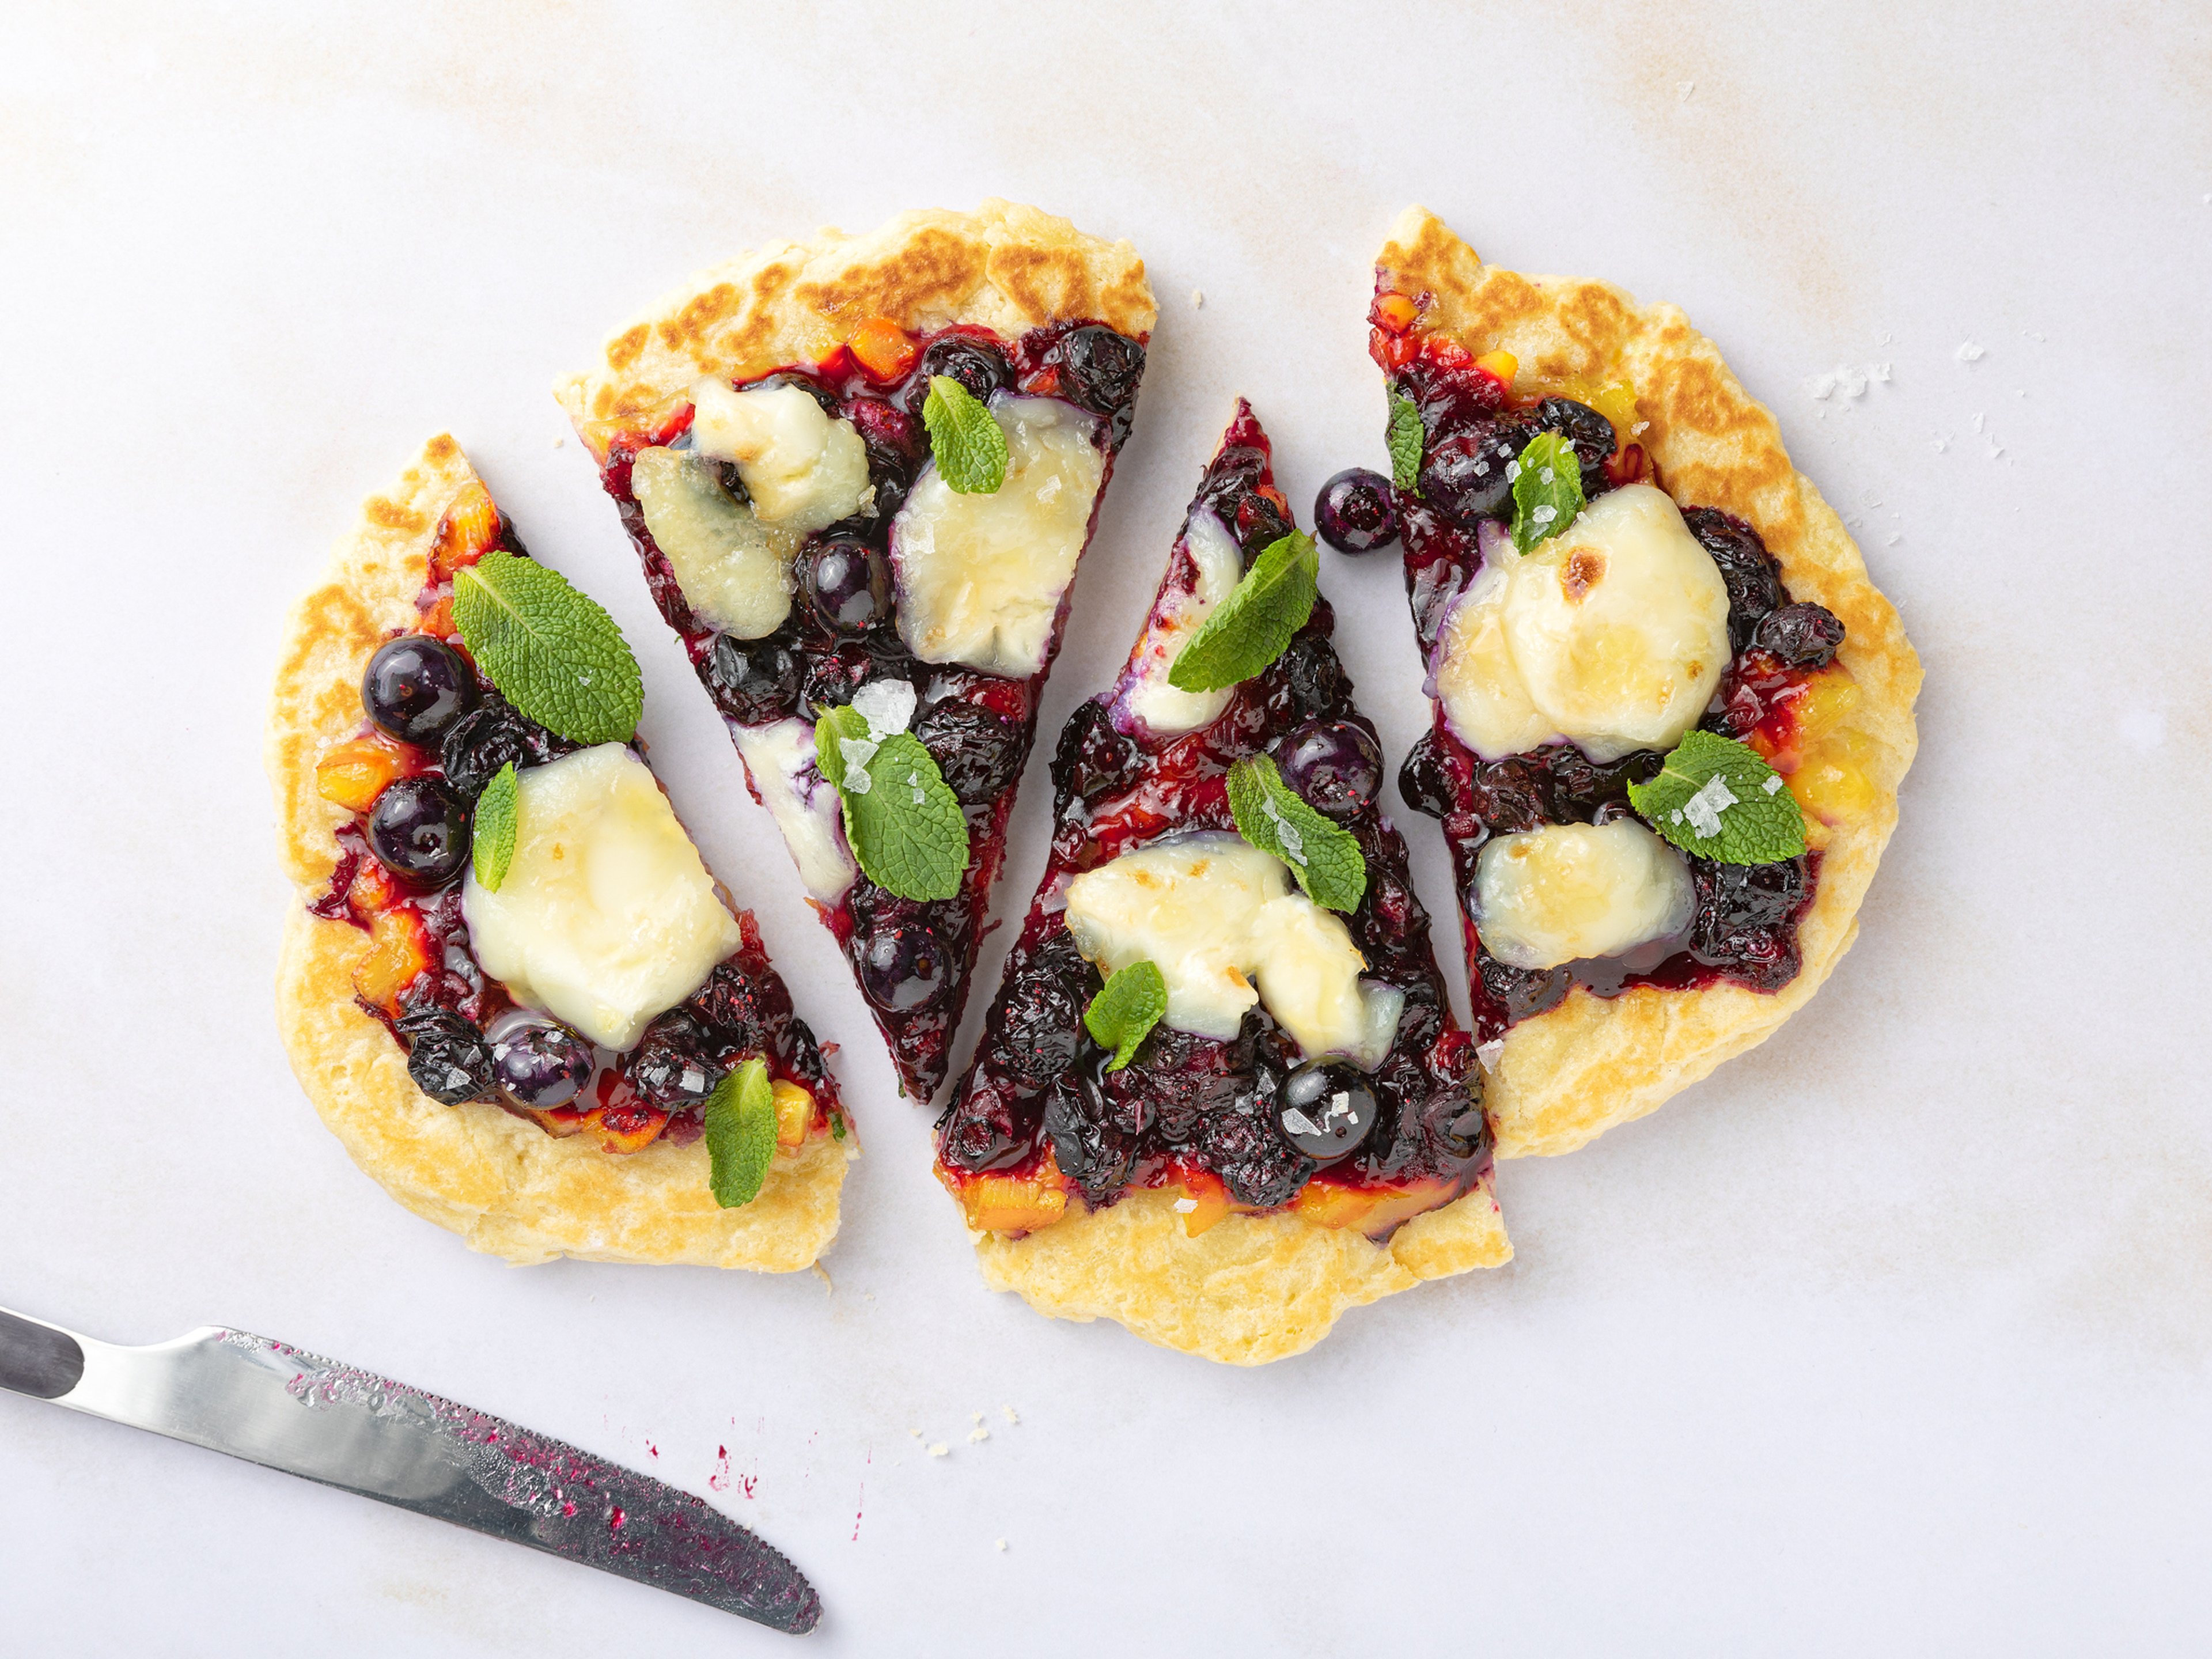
(1569, 1074)
(1249, 1289)
(1005, 267)
(504, 1185)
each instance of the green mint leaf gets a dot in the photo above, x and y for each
(1716, 797)
(740, 1134)
(1125, 1011)
(1248, 629)
(1273, 818)
(548, 647)
(1547, 489)
(903, 822)
(491, 847)
(969, 446)
(1405, 439)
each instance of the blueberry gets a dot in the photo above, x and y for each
(419, 830)
(1327, 1109)
(1259, 522)
(1311, 674)
(446, 1054)
(978, 750)
(753, 682)
(1099, 370)
(987, 1128)
(849, 583)
(903, 966)
(674, 1065)
(806, 383)
(1754, 581)
(1089, 1145)
(490, 736)
(1092, 760)
(1041, 1020)
(1803, 635)
(1242, 1141)
(1355, 512)
(1336, 765)
(980, 367)
(735, 1009)
(831, 680)
(415, 687)
(1512, 795)
(1425, 780)
(1463, 475)
(538, 1061)
(1590, 432)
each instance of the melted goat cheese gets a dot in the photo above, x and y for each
(1570, 891)
(1148, 697)
(981, 577)
(606, 917)
(779, 760)
(803, 469)
(734, 570)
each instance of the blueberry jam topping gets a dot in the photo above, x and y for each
(493, 735)
(753, 682)
(1745, 929)
(419, 830)
(415, 687)
(1355, 512)
(1194, 1110)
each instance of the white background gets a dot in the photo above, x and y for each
(1891, 1338)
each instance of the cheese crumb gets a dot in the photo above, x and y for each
(979, 1432)
(558, 442)
(1197, 299)
(1705, 808)
(1008, 1412)
(940, 1449)
(1002, 1544)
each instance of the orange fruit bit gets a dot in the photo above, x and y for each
(1500, 366)
(1365, 1209)
(628, 1127)
(354, 773)
(438, 618)
(794, 1112)
(398, 949)
(468, 532)
(1015, 1204)
(374, 890)
(1803, 715)
(1394, 312)
(1830, 784)
(883, 350)
(560, 1121)
(1208, 1199)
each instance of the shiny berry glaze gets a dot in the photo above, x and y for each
(1746, 928)
(1187, 1109)
(843, 633)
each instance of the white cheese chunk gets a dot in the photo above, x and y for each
(1612, 634)
(1148, 697)
(1221, 920)
(981, 577)
(606, 917)
(734, 570)
(1571, 891)
(803, 469)
(779, 758)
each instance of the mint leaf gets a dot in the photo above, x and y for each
(548, 647)
(1249, 628)
(1271, 815)
(1405, 439)
(1547, 489)
(491, 847)
(1125, 1011)
(740, 1132)
(1716, 797)
(971, 447)
(904, 823)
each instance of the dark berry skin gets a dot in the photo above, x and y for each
(978, 750)
(1355, 512)
(1041, 1024)
(675, 1064)
(1801, 635)
(848, 583)
(831, 680)
(732, 1008)
(1754, 579)
(753, 682)
(980, 367)
(806, 383)
(1335, 1109)
(902, 966)
(1098, 371)
(1336, 765)
(1310, 673)
(1093, 760)
(541, 1063)
(494, 734)
(419, 830)
(1744, 916)
(1243, 1141)
(447, 1055)
(1463, 475)
(415, 687)
(1590, 432)
(1090, 1143)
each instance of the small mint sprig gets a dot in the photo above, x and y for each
(491, 843)
(968, 446)
(1250, 628)
(1126, 1009)
(903, 822)
(740, 1134)
(548, 647)
(1715, 798)
(1405, 438)
(1547, 489)
(1324, 856)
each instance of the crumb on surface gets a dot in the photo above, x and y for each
(939, 1450)
(1197, 299)
(1009, 1412)
(1002, 1543)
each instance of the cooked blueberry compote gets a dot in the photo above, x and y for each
(796, 531)
(493, 1003)
(1308, 1060)
(1564, 669)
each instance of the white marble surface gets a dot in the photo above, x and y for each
(1893, 1337)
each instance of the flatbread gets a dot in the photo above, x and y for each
(1005, 267)
(1569, 1074)
(503, 1184)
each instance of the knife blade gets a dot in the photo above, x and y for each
(329, 1422)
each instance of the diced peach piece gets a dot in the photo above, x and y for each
(1500, 366)
(625, 1129)
(1208, 1200)
(1369, 1210)
(1015, 1204)
(560, 1121)
(1395, 312)
(794, 1112)
(883, 350)
(1616, 401)
(1830, 783)
(374, 889)
(354, 773)
(398, 949)
(468, 532)
(1828, 699)
(438, 620)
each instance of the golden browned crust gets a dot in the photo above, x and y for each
(503, 1184)
(1571, 1074)
(1247, 1290)
(1006, 267)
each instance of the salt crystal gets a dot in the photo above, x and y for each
(887, 705)
(1294, 844)
(1488, 1053)
(1774, 783)
(1544, 515)
(914, 783)
(1978, 418)
(1547, 476)
(1185, 1206)
(1878, 371)
(1512, 471)
(1822, 386)
(857, 752)
(1969, 352)
(1705, 808)
(1684, 91)
(1299, 1124)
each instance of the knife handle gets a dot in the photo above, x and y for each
(38, 1360)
